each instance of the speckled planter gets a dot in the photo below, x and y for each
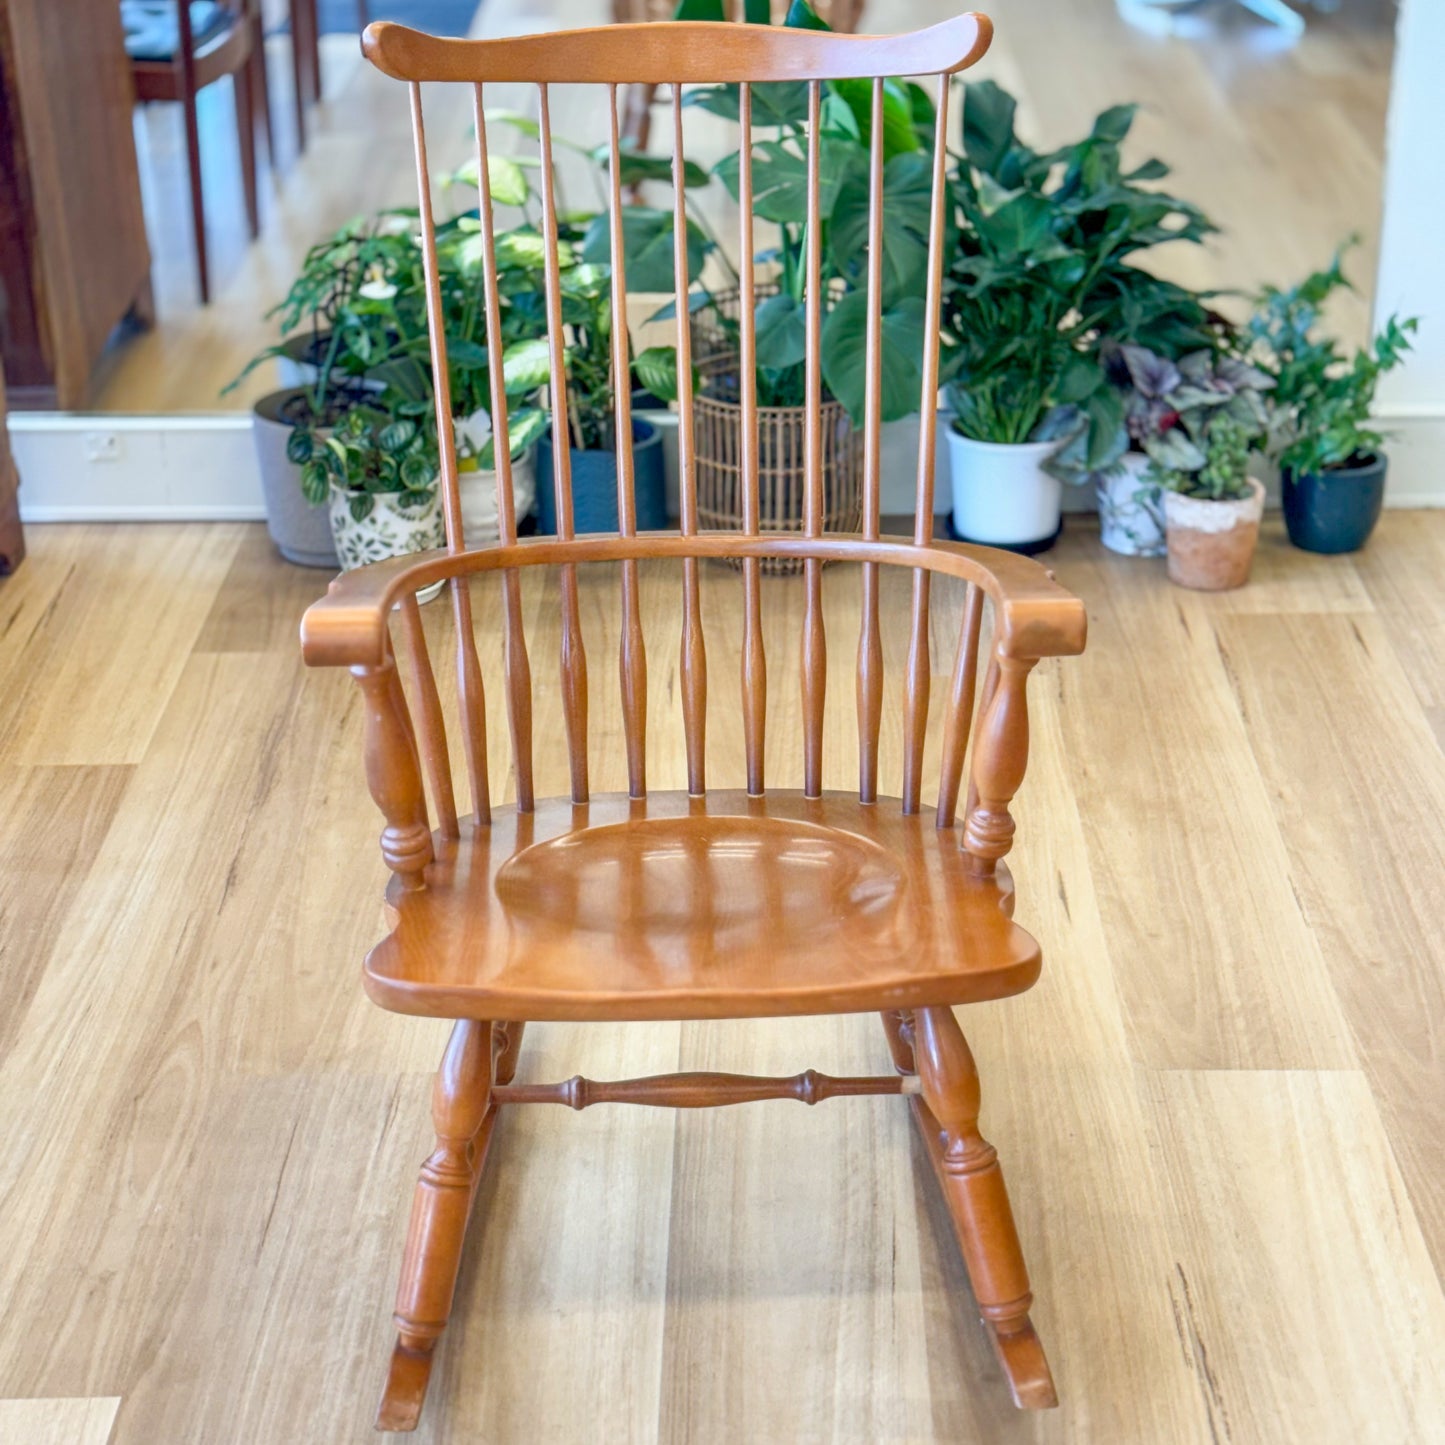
(1131, 509)
(1211, 544)
(388, 530)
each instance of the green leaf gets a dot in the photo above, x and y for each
(418, 472)
(700, 10)
(802, 16)
(360, 505)
(1113, 124)
(1020, 229)
(516, 119)
(780, 178)
(468, 355)
(637, 167)
(508, 180)
(526, 365)
(397, 436)
(299, 446)
(315, 481)
(988, 124)
(656, 369)
(899, 135)
(782, 333)
(647, 237)
(758, 12)
(845, 336)
(907, 195)
(525, 250)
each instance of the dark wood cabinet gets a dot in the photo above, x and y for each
(73, 254)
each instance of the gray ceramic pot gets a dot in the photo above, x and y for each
(301, 532)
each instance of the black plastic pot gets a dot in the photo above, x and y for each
(1335, 510)
(594, 485)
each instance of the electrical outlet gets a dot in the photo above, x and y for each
(101, 446)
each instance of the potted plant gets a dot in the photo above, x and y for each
(1332, 462)
(585, 274)
(376, 470)
(779, 171)
(360, 301)
(1043, 274)
(1208, 413)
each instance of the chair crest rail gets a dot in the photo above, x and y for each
(686, 52)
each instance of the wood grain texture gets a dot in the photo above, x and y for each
(1331, 689)
(1155, 730)
(1282, 1152)
(58, 1422)
(226, 1094)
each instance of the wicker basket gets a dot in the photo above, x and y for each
(781, 432)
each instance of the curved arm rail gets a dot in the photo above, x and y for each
(1035, 616)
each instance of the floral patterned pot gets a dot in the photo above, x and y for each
(1211, 544)
(1131, 509)
(392, 526)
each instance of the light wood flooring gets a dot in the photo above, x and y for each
(1220, 1111)
(1282, 147)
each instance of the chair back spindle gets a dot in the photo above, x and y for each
(815, 648)
(516, 663)
(917, 681)
(870, 642)
(632, 659)
(574, 656)
(754, 664)
(470, 696)
(692, 661)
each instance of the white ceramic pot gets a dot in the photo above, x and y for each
(388, 529)
(1001, 493)
(1131, 509)
(478, 485)
(478, 489)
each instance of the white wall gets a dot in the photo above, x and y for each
(1411, 280)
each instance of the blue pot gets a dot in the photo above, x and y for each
(594, 485)
(1336, 510)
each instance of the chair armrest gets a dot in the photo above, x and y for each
(348, 626)
(1036, 617)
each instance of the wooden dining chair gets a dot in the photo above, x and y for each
(184, 65)
(708, 902)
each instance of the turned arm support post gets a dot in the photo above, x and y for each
(1001, 751)
(393, 774)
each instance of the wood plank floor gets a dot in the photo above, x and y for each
(1283, 147)
(1221, 1110)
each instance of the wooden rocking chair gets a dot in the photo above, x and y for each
(702, 904)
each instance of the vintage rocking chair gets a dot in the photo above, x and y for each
(702, 904)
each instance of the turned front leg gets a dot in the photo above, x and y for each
(440, 1209)
(393, 774)
(978, 1202)
(1000, 755)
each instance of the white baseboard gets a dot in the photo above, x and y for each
(100, 468)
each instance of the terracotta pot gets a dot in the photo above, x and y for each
(1211, 544)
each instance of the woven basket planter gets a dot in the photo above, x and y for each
(781, 446)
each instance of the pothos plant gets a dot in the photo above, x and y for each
(1322, 396)
(780, 196)
(584, 261)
